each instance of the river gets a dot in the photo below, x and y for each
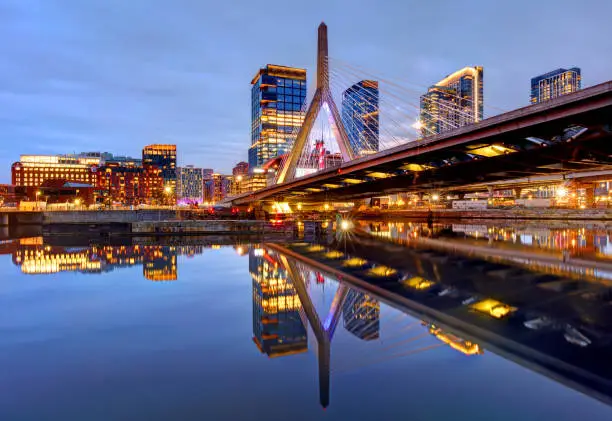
(231, 329)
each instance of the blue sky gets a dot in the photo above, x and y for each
(114, 75)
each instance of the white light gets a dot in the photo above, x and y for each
(345, 225)
(435, 197)
(561, 192)
(417, 125)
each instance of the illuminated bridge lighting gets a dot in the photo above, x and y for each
(459, 344)
(418, 283)
(493, 308)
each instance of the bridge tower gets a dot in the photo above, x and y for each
(321, 97)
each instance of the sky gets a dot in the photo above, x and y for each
(115, 75)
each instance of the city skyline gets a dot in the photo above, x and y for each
(86, 75)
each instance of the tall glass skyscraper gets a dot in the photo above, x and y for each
(455, 101)
(360, 116)
(278, 94)
(556, 83)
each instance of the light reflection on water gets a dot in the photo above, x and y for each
(146, 332)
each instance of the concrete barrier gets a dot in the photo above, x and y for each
(207, 226)
(106, 217)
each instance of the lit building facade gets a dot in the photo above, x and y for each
(455, 101)
(554, 84)
(241, 168)
(278, 329)
(360, 116)
(278, 96)
(164, 158)
(361, 315)
(217, 188)
(129, 185)
(240, 173)
(190, 185)
(34, 170)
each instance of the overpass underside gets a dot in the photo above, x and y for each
(566, 135)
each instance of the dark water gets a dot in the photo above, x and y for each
(175, 332)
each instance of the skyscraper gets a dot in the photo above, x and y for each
(278, 94)
(455, 101)
(164, 158)
(190, 184)
(360, 116)
(556, 83)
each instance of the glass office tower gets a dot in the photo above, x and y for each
(360, 116)
(556, 83)
(278, 96)
(455, 101)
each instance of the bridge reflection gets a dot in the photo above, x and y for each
(281, 286)
(556, 325)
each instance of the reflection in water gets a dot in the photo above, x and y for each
(559, 326)
(361, 315)
(35, 258)
(278, 328)
(578, 239)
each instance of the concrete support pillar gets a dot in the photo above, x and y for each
(4, 219)
(518, 192)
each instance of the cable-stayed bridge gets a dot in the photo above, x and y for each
(407, 154)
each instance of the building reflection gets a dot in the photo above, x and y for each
(593, 240)
(278, 327)
(361, 315)
(159, 262)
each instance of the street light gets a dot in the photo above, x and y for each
(38, 193)
(435, 197)
(561, 192)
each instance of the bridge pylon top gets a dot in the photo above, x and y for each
(322, 96)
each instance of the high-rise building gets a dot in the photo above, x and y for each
(278, 95)
(278, 329)
(455, 101)
(556, 83)
(164, 158)
(360, 116)
(190, 185)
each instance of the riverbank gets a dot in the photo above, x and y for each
(510, 214)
